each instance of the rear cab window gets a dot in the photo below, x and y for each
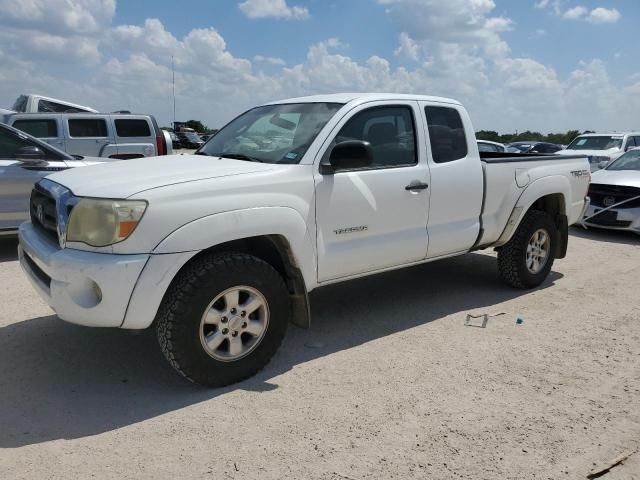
(132, 127)
(447, 136)
(88, 128)
(39, 128)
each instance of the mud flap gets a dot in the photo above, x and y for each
(563, 236)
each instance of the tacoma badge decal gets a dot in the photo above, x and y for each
(580, 173)
(342, 231)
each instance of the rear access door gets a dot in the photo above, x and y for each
(456, 188)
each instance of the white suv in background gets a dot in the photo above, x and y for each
(601, 148)
(109, 135)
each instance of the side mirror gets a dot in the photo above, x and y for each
(629, 147)
(347, 155)
(603, 164)
(30, 154)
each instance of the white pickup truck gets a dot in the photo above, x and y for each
(219, 250)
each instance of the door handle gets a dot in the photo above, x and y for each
(415, 186)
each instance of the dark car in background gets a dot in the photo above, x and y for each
(175, 140)
(533, 147)
(189, 140)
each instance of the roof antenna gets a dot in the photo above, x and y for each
(173, 92)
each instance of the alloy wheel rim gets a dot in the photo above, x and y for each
(234, 323)
(538, 249)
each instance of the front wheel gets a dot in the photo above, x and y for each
(526, 260)
(223, 318)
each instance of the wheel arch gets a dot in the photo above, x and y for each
(548, 194)
(275, 250)
(277, 235)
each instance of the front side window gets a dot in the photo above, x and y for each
(87, 127)
(446, 134)
(126, 127)
(389, 130)
(47, 106)
(487, 147)
(272, 133)
(600, 142)
(40, 128)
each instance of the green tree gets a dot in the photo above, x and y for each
(489, 135)
(197, 125)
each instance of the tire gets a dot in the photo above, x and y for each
(181, 322)
(512, 257)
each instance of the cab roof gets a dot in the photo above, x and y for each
(364, 97)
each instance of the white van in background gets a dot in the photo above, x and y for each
(30, 103)
(108, 135)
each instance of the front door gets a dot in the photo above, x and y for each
(17, 178)
(376, 217)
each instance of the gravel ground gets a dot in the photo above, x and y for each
(388, 383)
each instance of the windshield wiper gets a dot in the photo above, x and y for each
(202, 153)
(237, 156)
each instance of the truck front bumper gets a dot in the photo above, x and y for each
(85, 288)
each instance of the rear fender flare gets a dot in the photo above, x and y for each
(551, 185)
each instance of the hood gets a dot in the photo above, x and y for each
(612, 152)
(126, 177)
(623, 178)
(85, 161)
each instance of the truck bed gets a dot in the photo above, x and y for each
(508, 175)
(502, 157)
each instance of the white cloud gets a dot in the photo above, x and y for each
(79, 17)
(596, 15)
(269, 60)
(576, 13)
(464, 22)
(604, 15)
(273, 9)
(408, 48)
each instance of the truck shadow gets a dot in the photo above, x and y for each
(62, 381)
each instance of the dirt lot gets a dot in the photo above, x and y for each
(388, 383)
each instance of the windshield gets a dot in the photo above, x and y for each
(601, 142)
(192, 136)
(519, 147)
(628, 161)
(272, 133)
(21, 104)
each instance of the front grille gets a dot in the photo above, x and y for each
(606, 195)
(43, 212)
(608, 218)
(37, 271)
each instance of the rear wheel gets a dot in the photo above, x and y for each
(223, 318)
(526, 260)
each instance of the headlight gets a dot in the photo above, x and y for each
(100, 223)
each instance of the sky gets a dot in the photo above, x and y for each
(545, 65)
